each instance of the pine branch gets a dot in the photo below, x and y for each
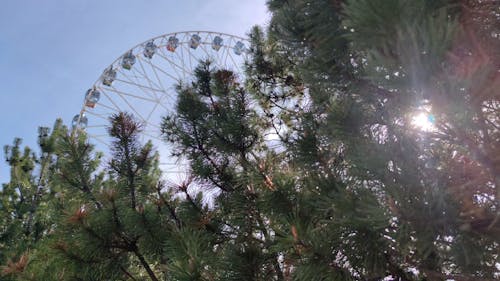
(127, 273)
(277, 268)
(207, 156)
(130, 174)
(169, 207)
(434, 275)
(38, 194)
(131, 245)
(144, 263)
(84, 188)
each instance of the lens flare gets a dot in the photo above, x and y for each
(424, 121)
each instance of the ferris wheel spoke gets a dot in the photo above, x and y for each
(232, 59)
(96, 126)
(104, 106)
(167, 56)
(145, 86)
(172, 172)
(99, 136)
(115, 106)
(151, 68)
(191, 58)
(130, 82)
(180, 57)
(151, 125)
(156, 75)
(211, 58)
(142, 89)
(221, 55)
(150, 92)
(144, 74)
(101, 116)
(135, 76)
(170, 99)
(164, 107)
(147, 90)
(148, 134)
(166, 99)
(114, 90)
(121, 95)
(151, 112)
(226, 56)
(100, 139)
(150, 82)
(136, 80)
(164, 72)
(173, 164)
(174, 66)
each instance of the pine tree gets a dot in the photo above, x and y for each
(109, 223)
(356, 189)
(311, 166)
(26, 204)
(369, 67)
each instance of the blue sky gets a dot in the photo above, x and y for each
(51, 51)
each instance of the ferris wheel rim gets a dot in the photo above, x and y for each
(232, 43)
(99, 79)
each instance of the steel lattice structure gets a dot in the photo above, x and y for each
(142, 81)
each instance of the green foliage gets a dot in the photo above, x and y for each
(26, 201)
(310, 167)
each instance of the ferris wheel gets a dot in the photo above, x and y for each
(143, 81)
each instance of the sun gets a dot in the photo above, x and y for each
(423, 121)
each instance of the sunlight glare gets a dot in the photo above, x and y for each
(423, 121)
